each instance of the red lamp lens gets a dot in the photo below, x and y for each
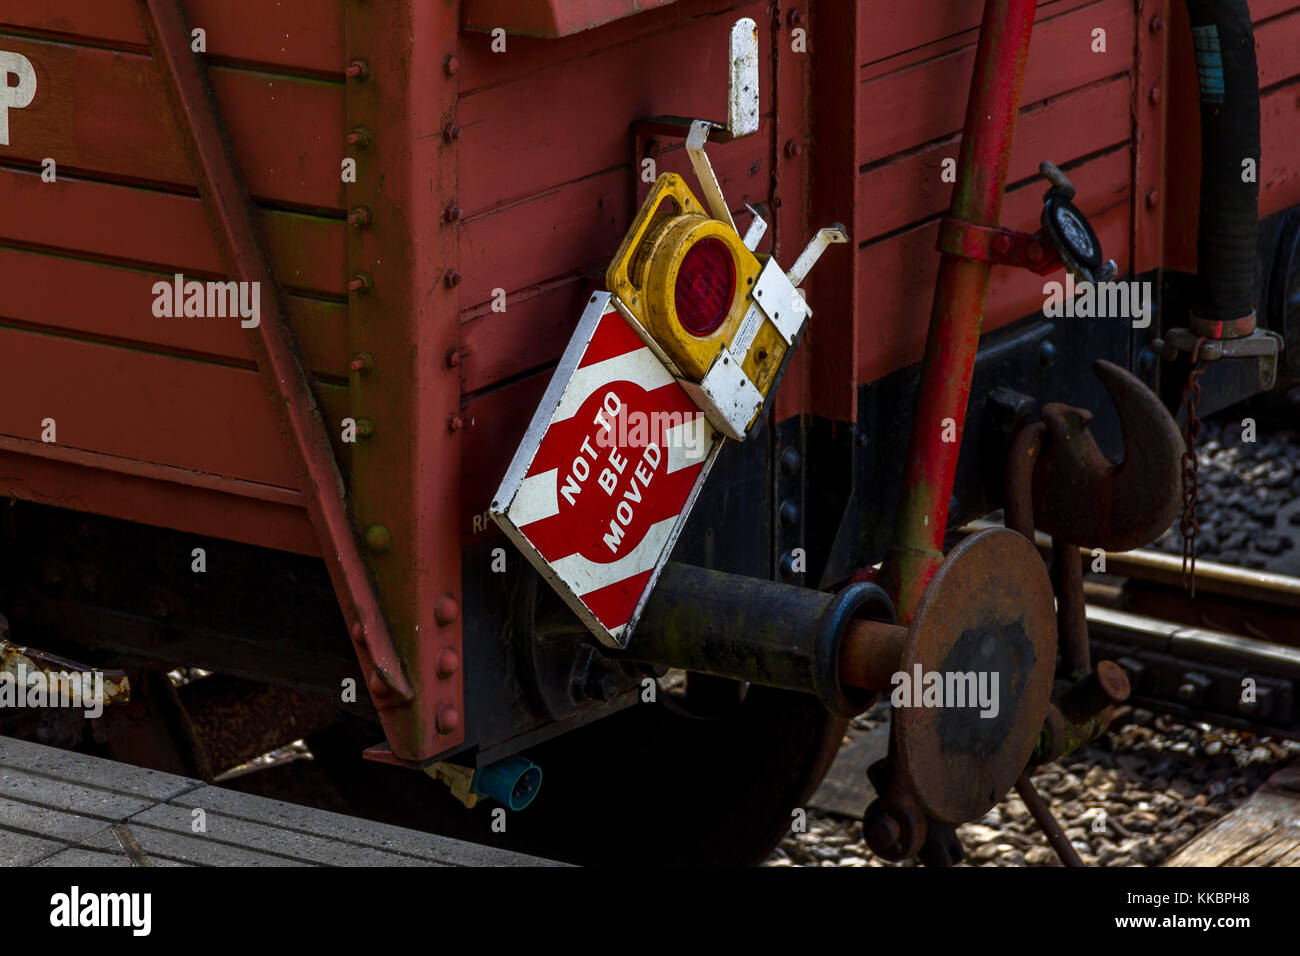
(706, 284)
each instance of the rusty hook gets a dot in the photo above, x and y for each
(1082, 497)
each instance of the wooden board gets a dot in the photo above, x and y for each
(165, 231)
(1263, 831)
(105, 113)
(291, 35)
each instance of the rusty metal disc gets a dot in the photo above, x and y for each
(986, 623)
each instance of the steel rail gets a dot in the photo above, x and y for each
(1212, 577)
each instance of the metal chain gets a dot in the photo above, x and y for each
(1191, 432)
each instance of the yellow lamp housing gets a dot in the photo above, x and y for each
(646, 277)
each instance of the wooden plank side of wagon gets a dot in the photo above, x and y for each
(546, 177)
(570, 121)
(164, 231)
(290, 35)
(51, 292)
(156, 435)
(103, 113)
(925, 102)
(139, 405)
(897, 273)
(911, 188)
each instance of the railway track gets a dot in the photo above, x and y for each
(1187, 761)
(1190, 657)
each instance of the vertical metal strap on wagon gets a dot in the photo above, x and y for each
(232, 216)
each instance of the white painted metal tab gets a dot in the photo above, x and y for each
(781, 301)
(742, 92)
(756, 231)
(695, 140)
(813, 251)
(726, 396)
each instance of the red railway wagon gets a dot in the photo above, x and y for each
(427, 195)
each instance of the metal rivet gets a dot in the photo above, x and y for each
(357, 70)
(1154, 95)
(1153, 199)
(448, 662)
(794, 18)
(365, 427)
(448, 719)
(446, 610)
(358, 632)
(359, 283)
(1047, 354)
(453, 213)
(359, 217)
(362, 362)
(451, 65)
(1157, 24)
(452, 278)
(453, 357)
(791, 462)
(451, 132)
(378, 686)
(1001, 245)
(359, 137)
(792, 148)
(378, 538)
(455, 423)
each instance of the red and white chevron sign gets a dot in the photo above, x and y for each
(604, 480)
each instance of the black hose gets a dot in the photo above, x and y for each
(1229, 213)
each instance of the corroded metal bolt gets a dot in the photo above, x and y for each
(794, 18)
(1154, 95)
(792, 148)
(378, 538)
(453, 213)
(451, 66)
(365, 427)
(1153, 199)
(451, 132)
(1157, 24)
(452, 278)
(1106, 686)
(455, 423)
(359, 217)
(357, 70)
(362, 362)
(359, 283)
(359, 137)
(453, 357)
(448, 662)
